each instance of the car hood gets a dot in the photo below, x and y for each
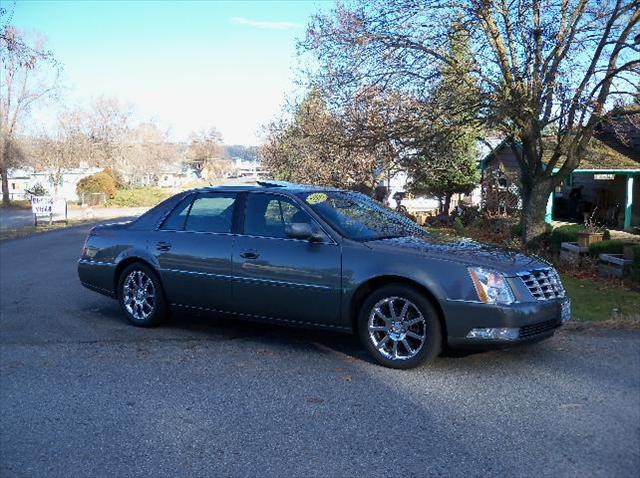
(466, 251)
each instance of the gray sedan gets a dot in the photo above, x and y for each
(320, 257)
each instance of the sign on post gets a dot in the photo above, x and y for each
(48, 206)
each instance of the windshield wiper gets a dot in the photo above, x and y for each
(388, 236)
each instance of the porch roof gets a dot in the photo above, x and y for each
(600, 158)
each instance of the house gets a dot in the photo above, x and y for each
(23, 180)
(176, 175)
(398, 182)
(247, 169)
(602, 187)
(18, 181)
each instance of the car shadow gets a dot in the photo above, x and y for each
(272, 334)
(221, 327)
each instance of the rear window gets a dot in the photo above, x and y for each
(212, 212)
(176, 220)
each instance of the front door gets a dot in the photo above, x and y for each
(279, 277)
(194, 248)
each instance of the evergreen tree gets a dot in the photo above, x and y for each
(446, 159)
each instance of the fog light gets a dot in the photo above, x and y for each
(506, 333)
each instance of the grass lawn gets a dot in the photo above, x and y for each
(17, 204)
(7, 234)
(596, 301)
(139, 197)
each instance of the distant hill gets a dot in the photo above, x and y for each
(246, 153)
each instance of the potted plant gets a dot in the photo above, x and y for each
(593, 231)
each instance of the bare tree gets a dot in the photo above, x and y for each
(544, 67)
(206, 155)
(28, 76)
(146, 152)
(107, 122)
(61, 147)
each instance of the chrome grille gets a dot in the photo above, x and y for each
(544, 284)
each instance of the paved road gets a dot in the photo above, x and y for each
(83, 394)
(17, 218)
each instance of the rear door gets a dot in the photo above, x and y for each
(280, 277)
(194, 248)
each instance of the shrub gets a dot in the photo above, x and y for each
(607, 235)
(117, 177)
(38, 190)
(458, 226)
(516, 230)
(100, 182)
(635, 265)
(606, 247)
(567, 233)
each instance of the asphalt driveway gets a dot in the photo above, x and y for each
(84, 394)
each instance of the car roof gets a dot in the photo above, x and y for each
(272, 186)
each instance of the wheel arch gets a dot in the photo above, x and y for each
(367, 287)
(127, 261)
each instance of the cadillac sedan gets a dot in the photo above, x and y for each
(320, 257)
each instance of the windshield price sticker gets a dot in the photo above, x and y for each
(316, 198)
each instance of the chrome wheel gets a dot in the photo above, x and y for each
(397, 328)
(139, 295)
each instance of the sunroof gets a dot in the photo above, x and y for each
(274, 184)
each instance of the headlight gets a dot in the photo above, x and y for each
(491, 286)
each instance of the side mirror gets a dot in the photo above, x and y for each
(303, 231)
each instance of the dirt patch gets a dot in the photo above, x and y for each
(626, 323)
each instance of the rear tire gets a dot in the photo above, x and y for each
(141, 296)
(400, 327)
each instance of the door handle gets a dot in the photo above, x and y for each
(163, 246)
(249, 255)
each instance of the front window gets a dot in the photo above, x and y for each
(269, 215)
(359, 217)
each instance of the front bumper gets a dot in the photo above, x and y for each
(535, 321)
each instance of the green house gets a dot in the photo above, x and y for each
(607, 182)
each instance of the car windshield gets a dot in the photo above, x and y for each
(359, 217)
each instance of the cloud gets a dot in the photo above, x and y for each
(265, 25)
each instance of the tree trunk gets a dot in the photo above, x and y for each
(5, 186)
(447, 203)
(4, 171)
(534, 207)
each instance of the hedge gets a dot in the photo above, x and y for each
(568, 233)
(606, 247)
(101, 182)
(635, 266)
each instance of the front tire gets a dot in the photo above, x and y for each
(140, 295)
(400, 327)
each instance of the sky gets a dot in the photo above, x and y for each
(186, 65)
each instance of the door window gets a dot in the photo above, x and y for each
(267, 215)
(211, 213)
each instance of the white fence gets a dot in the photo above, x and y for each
(92, 199)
